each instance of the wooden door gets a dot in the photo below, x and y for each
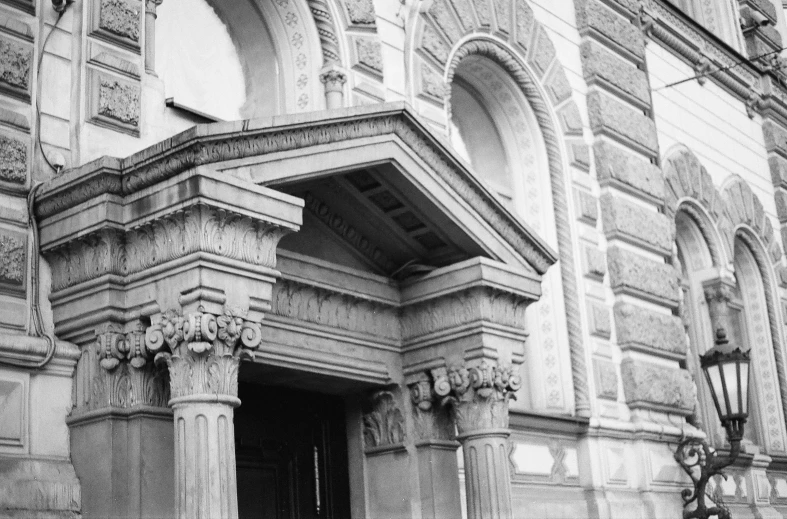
(291, 454)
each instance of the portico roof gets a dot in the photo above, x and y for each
(372, 167)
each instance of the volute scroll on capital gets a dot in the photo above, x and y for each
(203, 350)
(115, 347)
(478, 395)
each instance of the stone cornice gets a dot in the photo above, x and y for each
(699, 48)
(757, 87)
(215, 143)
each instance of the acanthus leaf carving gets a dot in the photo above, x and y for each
(202, 350)
(383, 423)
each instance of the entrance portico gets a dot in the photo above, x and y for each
(347, 252)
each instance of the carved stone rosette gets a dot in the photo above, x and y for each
(203, 352)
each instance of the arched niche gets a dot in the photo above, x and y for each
(275, 44)
(494, 91)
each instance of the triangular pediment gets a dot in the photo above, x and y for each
(382, 192)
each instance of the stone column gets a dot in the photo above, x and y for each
(719, 293)
(334, 79)
(150, 35)
(203, 352)
(478, 397)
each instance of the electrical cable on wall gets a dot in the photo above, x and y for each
(749, 61)
(36, 318)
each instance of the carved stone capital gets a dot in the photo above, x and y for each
(719, 293)
(129, 347)
(334, 79)
(151, 5)
(478, 395)
(432, 420)
(203, 350)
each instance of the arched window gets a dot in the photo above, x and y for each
(205, 66)
(495, 128)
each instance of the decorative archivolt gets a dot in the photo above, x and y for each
(723, 217)
(737, 207)
(450, 31)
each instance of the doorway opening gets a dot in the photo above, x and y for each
(291, 454)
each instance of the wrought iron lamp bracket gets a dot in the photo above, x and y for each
(695, 454)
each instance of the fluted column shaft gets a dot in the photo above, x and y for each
(205, 480)
(487, 480)
(150, 35)
(203, 354)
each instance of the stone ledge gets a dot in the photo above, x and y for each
(632, 274)
(650, 332)
(622, 122)
(629, 222)
(658, 388)
(628, 172)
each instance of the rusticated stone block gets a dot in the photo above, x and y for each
(13, 261)
(628, 171)
(543, 53)
(28, 6)
(595, 263)
(360, 12)
(778, 167)
(369, 54)
(606, 379)
(432, 83)
(587, 206)
(775, 137)
(649, 386)
(525, 21)
(13, 160)
(645, 330)
(630, 273)
(434, 44)
(441, 13)
(600, 320)
(594, 17)
(599, 64)
(781, 204)
(15, 65)
(608, 115)
(557, 85)
(580, 155)
(570, 119)
(627, 221)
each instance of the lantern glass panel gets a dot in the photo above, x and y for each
(730, 372)
(745, 386)
(713, 374)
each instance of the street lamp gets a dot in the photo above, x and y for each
(727, 373)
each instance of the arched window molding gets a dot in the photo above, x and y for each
(761, 330)
(506, 90)
(276, 43)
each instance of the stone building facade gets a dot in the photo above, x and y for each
(386, 259)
